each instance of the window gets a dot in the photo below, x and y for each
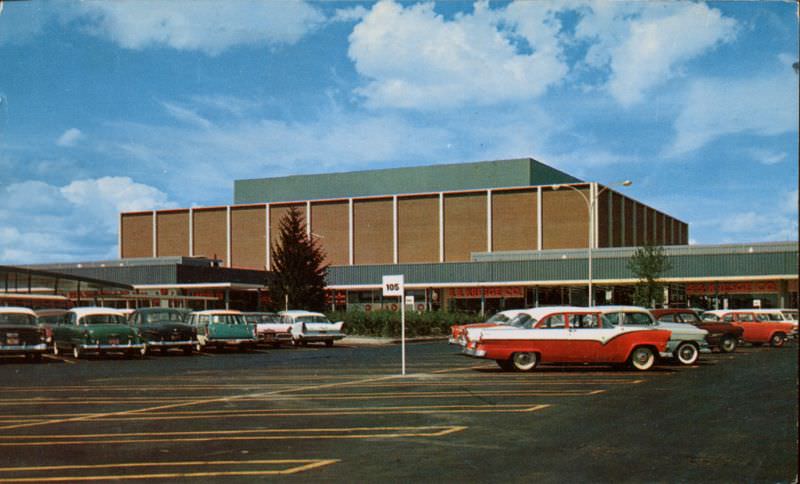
(611, 319)
(667, 318)
(18, 318)
(745, 317)
(585, 321)
(638, 319)
(555, 321)
(690, 318)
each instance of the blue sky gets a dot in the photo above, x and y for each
(135, 105)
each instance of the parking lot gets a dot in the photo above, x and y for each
(345, 414)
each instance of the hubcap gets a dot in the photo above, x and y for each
(687, 353)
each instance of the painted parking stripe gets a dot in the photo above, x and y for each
(354, 433)
(268, 467)
(289, 412)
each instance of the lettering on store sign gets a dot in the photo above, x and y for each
(488, 292)
(708, 289)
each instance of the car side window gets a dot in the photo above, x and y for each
(584, 321)
(611, 319)
(667, 318)
(556, 321)
(745, 317)
(72, 319)
(637, 319)
(762, 317)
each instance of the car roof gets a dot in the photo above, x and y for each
(87, 311)
(217, 311)
(258, 313)
(51, 312)
(299, 312)
(621, 308)
(161, 310)
(543, 311)
(17, 310)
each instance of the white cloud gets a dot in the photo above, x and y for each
(352, 14)
(40, 222)
(186, 115)
(645, 44)
(70, 137)
(415, 58)
(767, 157)
(201, 25)
(763, 106)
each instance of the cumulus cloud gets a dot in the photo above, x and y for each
(644, 45)
(70, 137)
(415, 58)
(713, 108)
(201, 25)
(40, 222)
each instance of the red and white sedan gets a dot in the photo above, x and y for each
(566, 335)
(758, 326)
(458, 331)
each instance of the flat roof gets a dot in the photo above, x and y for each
(407, 180)
(23, 280)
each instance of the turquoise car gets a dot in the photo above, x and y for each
(219, 328)
(98, 331)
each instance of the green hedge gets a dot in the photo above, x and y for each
(387, 323)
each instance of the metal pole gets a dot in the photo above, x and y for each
(403, 330)
(591, 245)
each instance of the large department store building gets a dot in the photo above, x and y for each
(479, 236)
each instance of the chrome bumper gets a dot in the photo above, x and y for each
(23, 348)
(99, 347)
(474, 352)
(166, 344)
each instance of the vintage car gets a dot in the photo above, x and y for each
(311, 327)
(789, 314)
(96, 330)
(19, 333)
(457, 331)
(222, 327)
(757, 327)
(47, 319)
(721, 335)
(685, 344)
(574, 335)
(269, 328)
(164, 328)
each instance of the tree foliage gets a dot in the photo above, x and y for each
(298, 265)
(649, 264)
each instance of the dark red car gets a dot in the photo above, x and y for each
(722, 335)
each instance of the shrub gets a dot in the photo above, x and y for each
(387, 323)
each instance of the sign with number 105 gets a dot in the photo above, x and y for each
(393, 285)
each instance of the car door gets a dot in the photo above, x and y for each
(553, 338)
(586, 336)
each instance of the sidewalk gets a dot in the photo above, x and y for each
(378, 341)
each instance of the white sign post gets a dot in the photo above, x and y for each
(394, 286)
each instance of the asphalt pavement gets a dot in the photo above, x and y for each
(344, 414)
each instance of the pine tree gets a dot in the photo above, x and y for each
(648, 264)
(298, 265)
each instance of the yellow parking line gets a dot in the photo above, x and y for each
(287, 412)
(295, 466)
(230, 435)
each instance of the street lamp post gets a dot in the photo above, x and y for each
(591, 202)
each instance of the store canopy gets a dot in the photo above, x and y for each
(18, 280)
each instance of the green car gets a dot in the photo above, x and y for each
(98, 331)
(220, 328)
(164, 328)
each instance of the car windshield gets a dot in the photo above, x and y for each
(791, 315)
(499, 318)
(103, 319)
(637, 319)
(690, 318)
(228, 319)
(163, 317)
(522, 320)
(710, 317)
(17, 318)
(312, 319)
(262, 318)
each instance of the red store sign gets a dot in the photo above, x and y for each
(708, 288)
(488, 292)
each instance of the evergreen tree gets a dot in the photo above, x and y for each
(298, 265)
(648, 264)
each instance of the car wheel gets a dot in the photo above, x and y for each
(728, 344)
(642, 358)
(329, 343)
(687, 354)
(505, 365)
(524, 361)
(777, 340)
(198, 347)
(187, 350)
(76, 352)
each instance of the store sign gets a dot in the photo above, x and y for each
(393, 286)
(709, 289)
(488, 292)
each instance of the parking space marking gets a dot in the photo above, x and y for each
(291, 412)
(261, 434)
(284, 467)
(58, 358)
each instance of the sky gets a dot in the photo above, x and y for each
(115, 106)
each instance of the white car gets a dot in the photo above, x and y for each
(311, 327)
(686, 343)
